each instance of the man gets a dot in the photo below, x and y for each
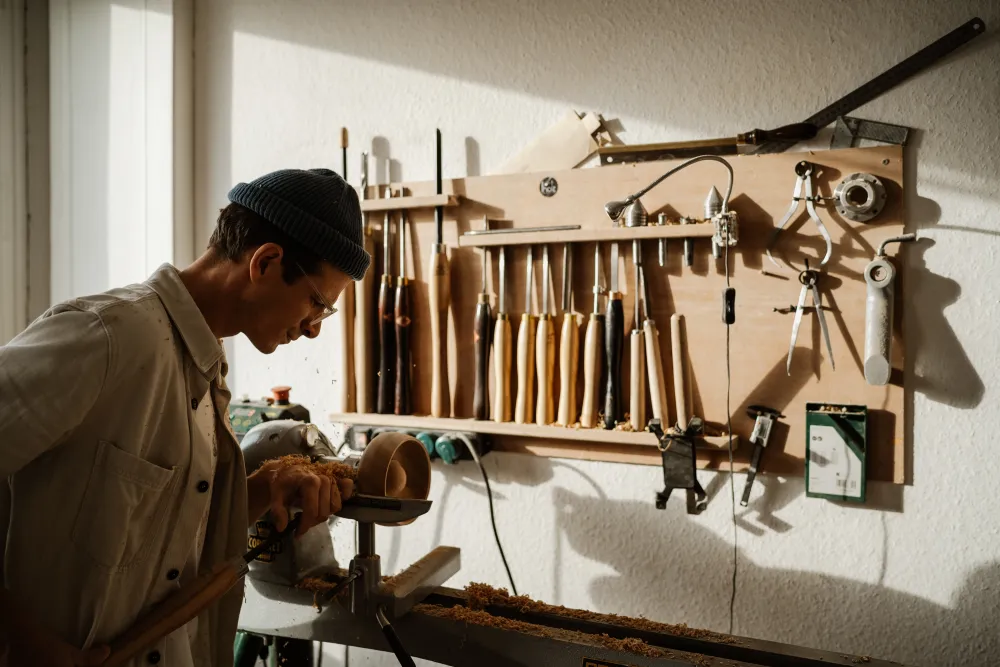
(124, 478)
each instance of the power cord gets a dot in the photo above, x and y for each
(489, 497)
(732, 481)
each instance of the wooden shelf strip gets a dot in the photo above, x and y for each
(511, 429)
(675, 231)
(407, 203)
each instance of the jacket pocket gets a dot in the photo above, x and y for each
(122, 509)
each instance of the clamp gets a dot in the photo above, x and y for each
(803, 172)
(764, 420)
(677, 448)
(809, 279)
(880, 275)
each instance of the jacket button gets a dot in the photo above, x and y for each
(194, 403)
(173, 574)
(202, 486)
(153, 657)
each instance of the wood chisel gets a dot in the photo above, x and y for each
(481, 332)
(545, 350)
(654, 358)
(593, 351)
(188, 601)
(386, 318)
(677, 348)
(524, 406)
(614, 324)
(501, 349)
(345, 309)
(440, 298)
(364, 314)
(569, 346)
(404, 369)
(637, 387)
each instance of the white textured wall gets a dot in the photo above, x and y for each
(917, 581)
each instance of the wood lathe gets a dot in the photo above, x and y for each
(299, 592)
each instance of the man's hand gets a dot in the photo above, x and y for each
(279, 487)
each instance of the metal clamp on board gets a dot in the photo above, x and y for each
(677, 448)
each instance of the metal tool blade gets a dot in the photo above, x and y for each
(545, 280)
(529, 280)
(644, 292)
(502, 306)
(636, 267)
(598, 287)
(387, 237)
(486, 255)
(567, 267)
(614, 267)
(795, 327)
(818, 303)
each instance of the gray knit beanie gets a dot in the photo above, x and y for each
(317, 208)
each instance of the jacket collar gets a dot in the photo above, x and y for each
(205, 349)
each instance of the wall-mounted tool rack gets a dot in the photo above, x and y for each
(760, 336)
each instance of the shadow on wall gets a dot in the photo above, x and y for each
(663, 561)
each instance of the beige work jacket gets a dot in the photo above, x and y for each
(107, 473)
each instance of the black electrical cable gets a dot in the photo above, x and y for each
(732, 481)
(390, 635)
(493, 518)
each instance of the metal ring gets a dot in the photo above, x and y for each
(860, 197)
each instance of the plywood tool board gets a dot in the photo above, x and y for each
(759, 343)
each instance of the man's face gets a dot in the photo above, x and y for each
(279, 312)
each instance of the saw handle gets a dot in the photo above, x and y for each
(793, 132)
(525, 403)
(440, 296)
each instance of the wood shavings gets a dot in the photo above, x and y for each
(483, 595)
(333, 469)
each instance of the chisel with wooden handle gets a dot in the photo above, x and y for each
(187, 602)
(593, 350)
(364, 314)
(440, 298)
(387, 322)
(637, 378)
(481, 333)
(524, 406)
(501, 349)
(654, 359)
(404, 369)
(614, 324)
(569, 346)
(545, 351)
(345, 309)
(677, 348)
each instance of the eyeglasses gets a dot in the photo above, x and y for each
(328, 310)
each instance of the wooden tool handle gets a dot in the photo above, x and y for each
(654, 370)
(569, 353)
(364, 333)
(440, 296)
(545, 361)
(613, 334)
(387, 347)
(404, 369)
(481, 332)
(637, 382)
(593, 346)
(525, 404)
(677, 345)
(501, 369)
(345, 323)
(176, 610)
